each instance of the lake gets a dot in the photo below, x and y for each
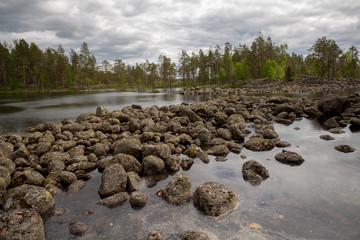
(318, 200)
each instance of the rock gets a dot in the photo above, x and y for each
(354, 124)
(115, 200)
(196, 235)
(214, 199)
(345, 148)
(178, 191)
(67, 177)
(333, 105)
(269, 133)
(218, 150)
(282, 144)
(162, 150)
(204, 135)
(337, 130)
(130, 145)
(155, 235)
(20, 224)
(55, 166)
(186, 163)
(81, 166)
(52, 189)
(50, 156)
(5, 178)
(6, 149)
(138, 199)
(327, 137)
(99, 149)
(29, 196)
(172, 163)
(203, 156)
(193, 117)
(254, 172)
(224, 134)
(288, 108)
(133, 182)
(8, 163)
(101, 111)
(192, 151)
(128, 162)
(236, 133)
(78, 228)
(76, 186)
(259, 144)
(152, 165)
(289, 158)
(33, 177)
(332, 123)
(113, 180)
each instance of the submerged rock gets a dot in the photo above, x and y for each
(254, 172)
(152, 165)
(78, 228)
(345, 148)
(289, 158)
(114, 200)
(214, 199)
(259, 144)
(138, 199)
(327, 137)
(113, 180)
(196, 235)
(178, 190)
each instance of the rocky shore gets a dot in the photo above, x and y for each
(132, 143)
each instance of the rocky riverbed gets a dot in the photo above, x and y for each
(136, 143)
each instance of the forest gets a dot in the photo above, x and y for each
(25, 66)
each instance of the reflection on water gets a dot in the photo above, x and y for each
(318, 200)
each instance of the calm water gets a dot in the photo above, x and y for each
(318, 200)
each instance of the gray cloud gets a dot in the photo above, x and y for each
(135, 30)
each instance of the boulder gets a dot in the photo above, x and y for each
(254, 172)
(8, 163)
(5, 178)
(128, 162)
(289, 158)
(259, 144)
(203, 156)
(224, 134)
(113, 180)
(269, 133)
(178, 190)
(204, 135)
(101, 111)
(218, 150)
(67, 177)
(55, 166)
(172, 163)
(129, 145)
(138, 199)
(78, 228)
(345, 148)
(29, 196)
(114, 200)
(50, 156)
(133, 182)
(161, 150)
(21, 224)
(327, 137)
(196, 235)
(214, 199)
(354, 124)
(152, 165)
(76, 186)
(333, 105)
(186, 163)
(6, 149)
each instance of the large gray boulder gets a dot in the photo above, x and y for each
(113, 180)
(214, 199)
(21, 224)
(29, 196)
(254, 172)
(178, 190)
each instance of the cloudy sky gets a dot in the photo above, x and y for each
(135, 30)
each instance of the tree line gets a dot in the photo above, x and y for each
(26, 66)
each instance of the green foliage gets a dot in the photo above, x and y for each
(289, 74)
(270, 69)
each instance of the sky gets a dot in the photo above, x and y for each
(135, 30)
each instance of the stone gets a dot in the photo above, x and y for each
(269, 133)
(204, 135)
(186, 163)
(101, 111)
(29, 196)
(76, 186)
(133, 182)
(333, 105)
(214, 199)
(155, 235)
(289, 158)
(78, 228)
(55, 166)
(33, 177)
(6, 149)
(196, 235)
(8, 163)
(204, 157)
(20, 224)
(179, 190)
(5, 178)
(113, 180)
(67, 177)
(327, 137)
(128, 162)
(114, 200)
(138, 199)
(218, 150)
(50, 156)
(130, 145)
(254, 172)
(152, 165)
(259, 144)
(224, 134)
(345, 148)
(161, 150)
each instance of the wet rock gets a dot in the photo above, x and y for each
(155, 235)
(288, 108)
(236, 132)
(269, 133)
(193, 117)
(130, 145)
(192, 151)
(172, 163)
(333, 105)
(78, 228)
(50, 156)
(92, 158)
(81, 166)
(76, 186)
(196, 235)
(55, 166)
(332, 123)
(29, 196)
(203, 156)
(214, 199)
(152, 165)
(354, 124)
(204, 135)
(113, 180)
(5, 178)
(138, 199)
(218, 150)
(345, 148)
(128, 162)
(162, 150)
(282, 144)
(6, 149)
(337, 130)
(33, 177)
(254, 172)
(42, 148)
(114, 200)
(327, 137)
(54, 190)
(20, 224)
(7, 163)
(67, 177)
(186, 163)
(133, 182)
(289, 158)
(178, 191)
(220, 118)
(101, 111)
(259, 144)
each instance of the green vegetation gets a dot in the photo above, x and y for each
(25, 67)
